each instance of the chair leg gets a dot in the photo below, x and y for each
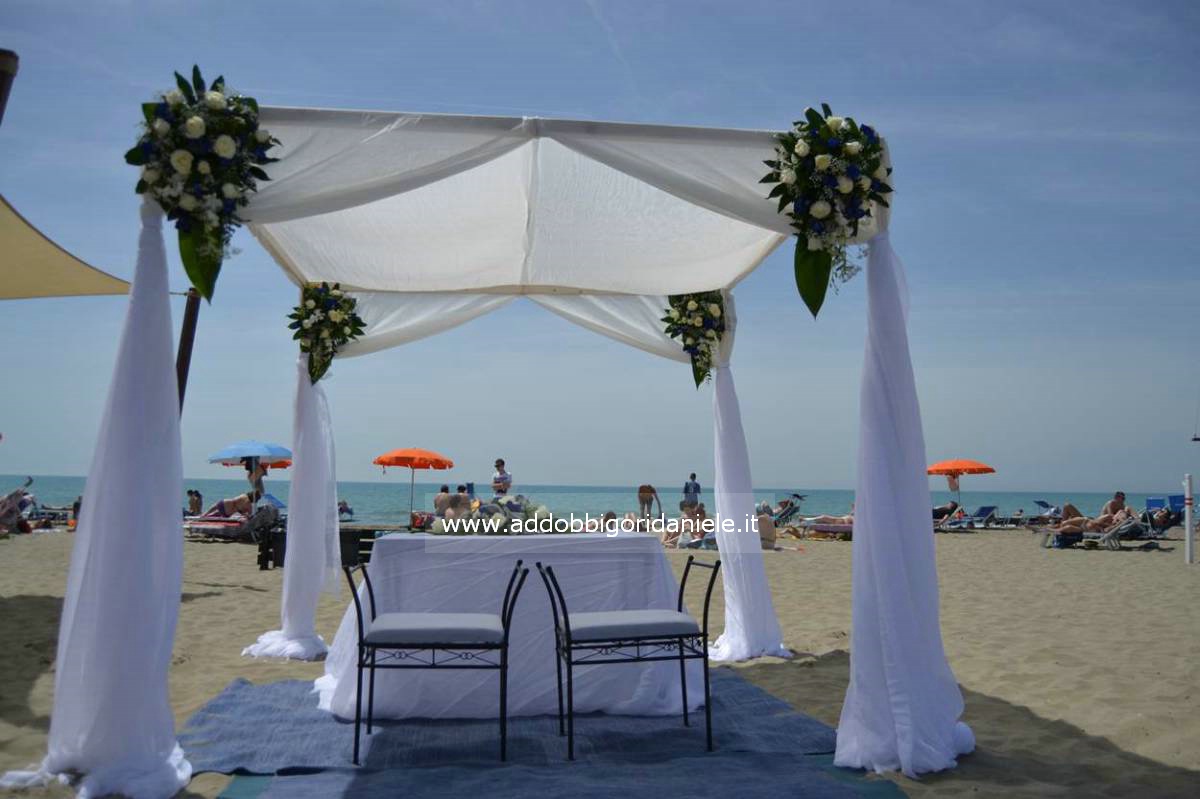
(707, 703)
(683, 683)
(358, 704)
(504, 704)
(562, 730)
(371, 694)
(570, 710)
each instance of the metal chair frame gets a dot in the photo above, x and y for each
(571, 652)
(399, 655)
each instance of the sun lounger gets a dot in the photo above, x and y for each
(981, 518)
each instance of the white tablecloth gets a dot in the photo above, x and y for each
(469, 574)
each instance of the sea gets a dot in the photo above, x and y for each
(383, 503)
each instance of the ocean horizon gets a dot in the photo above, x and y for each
(379, 502)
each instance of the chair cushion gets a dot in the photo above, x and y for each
(435, 628)
(613, 624)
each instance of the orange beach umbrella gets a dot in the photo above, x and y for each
(414, 458)
(954, 469)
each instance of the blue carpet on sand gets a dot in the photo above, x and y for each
(763, 748)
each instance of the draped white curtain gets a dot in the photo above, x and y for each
(903, 704)
(112, 719)
(313, 554)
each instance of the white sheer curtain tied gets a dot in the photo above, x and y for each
(903, 703)
(313, 554)
(112, 721)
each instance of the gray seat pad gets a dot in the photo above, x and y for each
(611, 624)
(435, 628)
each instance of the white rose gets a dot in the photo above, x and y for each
(711, 334)
(174, 97)
(181, 161)
(335, 316)
(215, 101)
(347, 331)
(160, 127)
(697, 321)
(310, 304)
(788, 176)
(835, 123)
(336, 292)
(823, 160)
(150, 174)
(211, 219)
(689, 341)
(194, 127)
(225, 146)
(203, 168)
(801, 149)
(325, 333)
(187, 202)
(814, 244)
(845, 185)
(853, 147)
(715, 310)
(864, 183)
(880, 173)
(674, 314)
(691, 306)
(262, 135)
(820, 209)
(230, 191)
(307, 323)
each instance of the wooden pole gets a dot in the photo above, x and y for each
(8, 72)
(187, 337)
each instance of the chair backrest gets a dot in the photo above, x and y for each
(1043, 504)
(350, 545)
(712, 580)
(1156, 503)
(1176, 501)
(515, 582)
(985, 511)
(558, 605)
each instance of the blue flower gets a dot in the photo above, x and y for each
(830, 181)
(869, 132)
(147, 148)
(853, 172)
(876, 185)
(183, 223)
(833, 144)
(799, 207)
(818, 227)
(229, 206)
(163, 111)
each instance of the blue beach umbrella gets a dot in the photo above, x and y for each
(268, 454)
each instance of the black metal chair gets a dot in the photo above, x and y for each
(628, 636)
(428, 640)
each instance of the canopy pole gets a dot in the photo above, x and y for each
(187, 337)
(1189, 531)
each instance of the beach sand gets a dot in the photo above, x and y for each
(1080, 669)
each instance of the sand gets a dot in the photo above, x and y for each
(1080, 668)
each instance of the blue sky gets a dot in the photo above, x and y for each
(1047, 183)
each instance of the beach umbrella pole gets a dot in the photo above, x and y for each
(412, 487)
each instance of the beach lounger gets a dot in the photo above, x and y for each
(985, 515)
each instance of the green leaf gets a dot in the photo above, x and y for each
(258, 173)
(197, 81)
(141, 187)
(813, 269)
(202, 268)
(184, 87)
(134, 156)
(828, 111)
(813, 117)
(250, 101)
(778, 190)
(148, 112)
(219, 84)
(699, 373)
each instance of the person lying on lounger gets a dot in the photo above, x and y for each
(944, 512)
(241, 504)
(1075, 522)
(847, 519)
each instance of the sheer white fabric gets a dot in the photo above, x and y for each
(409, 202)
(393, 319)
(112, 719)
(312, 529)
(630, 319)
(903, 703)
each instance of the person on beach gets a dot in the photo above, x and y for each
(242, 503)
(441, 501)
(501, 480)
(647, 495)
(944, 512)
(344, 508)
(847, 519)
(1115, 505)
(255, 472)
(195, 503)
(691, 493)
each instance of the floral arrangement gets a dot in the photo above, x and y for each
(324, 321)
(697, 321)
(829, 172)
(201, 152)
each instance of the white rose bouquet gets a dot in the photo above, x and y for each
(829, 173)
(201, 152)
(324, 322)
(697, 321)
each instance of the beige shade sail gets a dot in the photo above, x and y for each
(31, 265)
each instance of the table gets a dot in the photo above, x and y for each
(415, 572)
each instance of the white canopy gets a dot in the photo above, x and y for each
(423, 203)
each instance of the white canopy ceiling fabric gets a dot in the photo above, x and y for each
(414, 202)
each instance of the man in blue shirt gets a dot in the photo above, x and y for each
(501, 480)
(691, 493)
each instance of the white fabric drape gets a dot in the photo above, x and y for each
(393, 319)
(312, 556)
(112, 720)
(751, 628)
(903, 703)
(630, 319)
